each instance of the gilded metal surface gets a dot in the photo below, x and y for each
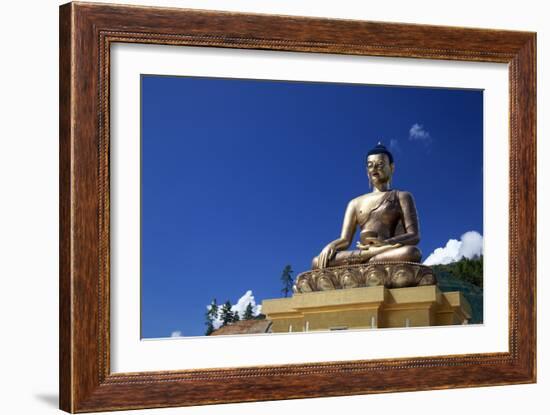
(387, 220)
(388, 274)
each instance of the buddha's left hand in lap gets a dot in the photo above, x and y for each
(376, 243)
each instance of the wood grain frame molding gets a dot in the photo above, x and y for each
(86, 33)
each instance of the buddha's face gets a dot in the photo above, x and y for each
(379, 169)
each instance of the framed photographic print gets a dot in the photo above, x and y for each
(280, 204)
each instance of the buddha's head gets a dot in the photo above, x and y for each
(380, 166)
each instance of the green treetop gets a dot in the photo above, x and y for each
(287, 280)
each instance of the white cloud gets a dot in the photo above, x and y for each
(176, 333)
(418, 133)
(243, 303)
(469, 246)
(240, 306)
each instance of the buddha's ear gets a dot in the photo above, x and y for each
(392, 167)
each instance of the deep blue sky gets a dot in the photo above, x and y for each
(241, 177)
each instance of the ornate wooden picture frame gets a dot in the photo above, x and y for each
(87, 32)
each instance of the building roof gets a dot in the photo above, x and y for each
(244, 327)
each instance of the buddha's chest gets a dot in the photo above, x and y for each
(382, 208)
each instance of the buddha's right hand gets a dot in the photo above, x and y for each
(326, 255)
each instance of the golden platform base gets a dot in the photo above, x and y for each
(367, 307)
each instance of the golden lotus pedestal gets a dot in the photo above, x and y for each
(323, 302)
(389, 274)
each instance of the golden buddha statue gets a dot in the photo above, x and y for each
(386, 217)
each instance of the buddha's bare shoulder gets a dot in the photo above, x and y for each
(360, 201)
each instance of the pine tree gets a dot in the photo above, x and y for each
(211, 315)
(287, 280)
(226, 314)
(212, 312)
(236, 316)
(248, 312)
(209, 328)
(469, 270)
